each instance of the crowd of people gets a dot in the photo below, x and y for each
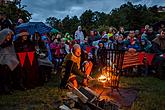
(27, 61)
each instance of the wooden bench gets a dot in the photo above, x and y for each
(131, 59)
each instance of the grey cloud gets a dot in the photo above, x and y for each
(42, 9)
(148, 2)
(59, 5)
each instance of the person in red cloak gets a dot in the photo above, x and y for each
(28, 72)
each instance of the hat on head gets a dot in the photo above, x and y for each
(23, 33)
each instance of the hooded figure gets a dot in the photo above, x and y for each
(79, 35)
(7, 52)
(8, 60)
(67, 37)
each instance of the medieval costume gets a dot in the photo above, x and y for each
(71, 68)
(8, 59)
(28, 71)
(45, 65)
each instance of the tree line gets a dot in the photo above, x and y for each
(128, 15)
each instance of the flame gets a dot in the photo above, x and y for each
(102, 78)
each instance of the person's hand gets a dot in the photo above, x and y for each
(161, 55)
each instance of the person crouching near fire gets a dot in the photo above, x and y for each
(71, 68)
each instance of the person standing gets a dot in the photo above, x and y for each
(28, 72)
(79, 36)
(8, 60)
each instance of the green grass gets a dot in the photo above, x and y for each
(151, 95)
(40, 98)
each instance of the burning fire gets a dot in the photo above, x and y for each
(107, 77)
(102, 78)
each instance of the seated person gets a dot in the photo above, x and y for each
(158, 47)
(158, 44)
(71, 68)
(131, 42)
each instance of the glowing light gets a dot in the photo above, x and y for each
(102, 78)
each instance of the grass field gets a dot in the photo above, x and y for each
(151, 92)
(151, 95)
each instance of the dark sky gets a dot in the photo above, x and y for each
(42, 9)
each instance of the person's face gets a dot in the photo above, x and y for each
(68, 36)
(147, 27)
(79, 28)
(91, 33)
(95, 32)
(121, 29)
(55, 41)
(162, 34)
(2, 16)
(120, 38)
(137, 32)
(162, 26)
(62, 41)
(104, 32)
(77, 52)
(143, 42)
(58, 36)
(24, 37)
(131, 33)
(150, 30)
(110, 29)
(9, 37)
(101, 45)
(116, 37)
(38, 38)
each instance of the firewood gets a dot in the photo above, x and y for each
(72, 96)
(93, 106)
(64, 107)
(82, 97)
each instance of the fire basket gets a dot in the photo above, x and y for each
(110, 75)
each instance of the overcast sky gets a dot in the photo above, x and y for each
(42, 9)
